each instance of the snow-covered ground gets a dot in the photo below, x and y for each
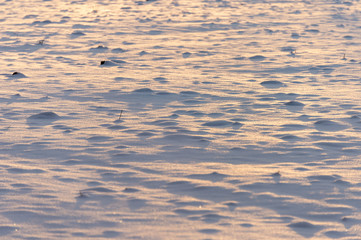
(180, 119)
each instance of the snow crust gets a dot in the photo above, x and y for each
(179, 119)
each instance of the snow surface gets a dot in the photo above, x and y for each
(180, 119)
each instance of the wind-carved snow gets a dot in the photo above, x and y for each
(180, 119)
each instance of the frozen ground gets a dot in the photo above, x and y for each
(166, 119)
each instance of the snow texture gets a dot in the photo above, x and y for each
(180, 119)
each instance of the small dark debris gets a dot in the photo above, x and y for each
(276, 174)
(82, 195)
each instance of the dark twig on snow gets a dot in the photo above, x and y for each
(120, 115)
